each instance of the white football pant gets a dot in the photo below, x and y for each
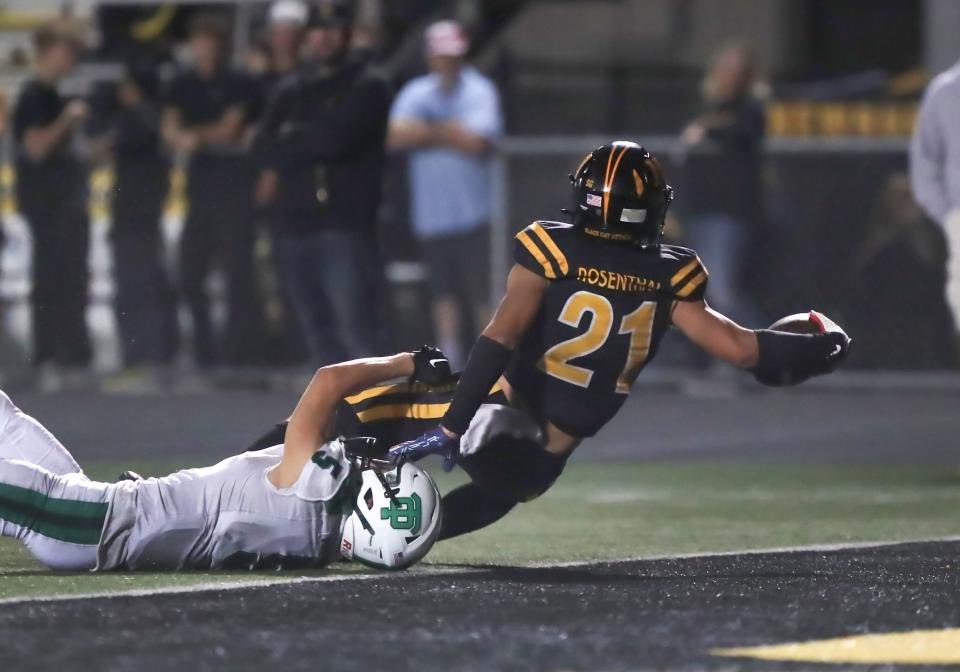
(46, 501)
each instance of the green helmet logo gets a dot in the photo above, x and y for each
(404, 513)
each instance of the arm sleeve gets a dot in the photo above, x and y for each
(746, 128)
(689, 279)
(535, 248)
(28, 113)
(927, 156)
(483, 116)
(407, 104)
(335, 134)
(265, 146)
(488, 359)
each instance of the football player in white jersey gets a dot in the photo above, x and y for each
(304, 503)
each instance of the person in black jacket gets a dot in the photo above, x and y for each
(321, 144)
(204, 121)
(52, 194)
(144, 303)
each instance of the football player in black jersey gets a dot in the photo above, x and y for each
(586, 307)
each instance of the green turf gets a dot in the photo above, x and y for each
(619, 510)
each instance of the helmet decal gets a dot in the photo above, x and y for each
(638, 181)
(404, 513)
(608, 177)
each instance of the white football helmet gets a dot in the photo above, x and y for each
(395, 529)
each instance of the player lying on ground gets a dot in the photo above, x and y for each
(399, 411)
(586, 307)
(304, 503)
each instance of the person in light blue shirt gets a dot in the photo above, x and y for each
(448, 121)
(935, 169)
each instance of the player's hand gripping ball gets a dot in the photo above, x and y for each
(837, 343)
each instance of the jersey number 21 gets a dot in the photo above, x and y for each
(638, 324)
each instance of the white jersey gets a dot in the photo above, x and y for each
(229, 516)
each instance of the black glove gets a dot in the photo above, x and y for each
(790, 359)
(430, 366)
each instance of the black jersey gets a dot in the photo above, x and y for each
(605, 311)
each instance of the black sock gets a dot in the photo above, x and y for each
(468, 508)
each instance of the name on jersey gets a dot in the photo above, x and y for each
(618, 282)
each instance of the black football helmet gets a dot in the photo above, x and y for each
(620, 194)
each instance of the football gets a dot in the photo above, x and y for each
(800, 323)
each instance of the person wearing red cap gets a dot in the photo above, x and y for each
(448, 121)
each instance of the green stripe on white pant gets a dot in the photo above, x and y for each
(58, 518)
(46, 502)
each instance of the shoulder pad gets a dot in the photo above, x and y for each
(539, 248)
(685, 274)
(323, 475)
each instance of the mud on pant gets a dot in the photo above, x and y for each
(46, 501)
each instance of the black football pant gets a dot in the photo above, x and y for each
(401, 412)
(145, 303)
(61, 242)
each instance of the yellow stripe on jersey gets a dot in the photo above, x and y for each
(679, 275)
(692, 285)
(398, 411)
(558, 256)
(398, 388)
(532, 248)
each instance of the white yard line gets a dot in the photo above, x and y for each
(441, 570)
(855, 495)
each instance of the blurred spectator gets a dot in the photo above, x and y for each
(721, 188)
(52, 193)
(898, 288)
(287, 25)
(323, 137)
(204, 122)
(448, 120)
(935, 169)
(145, 305)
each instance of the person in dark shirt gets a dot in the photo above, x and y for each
(722, 177)
(52, 194)
(144, 302)
(323, 138)
(203, 122)
(288, 21)
(897, 286)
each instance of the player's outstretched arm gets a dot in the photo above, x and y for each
(315, 412)
(493, 350)
(774, 357)
(717, 334)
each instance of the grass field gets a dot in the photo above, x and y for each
(687, 484)
(617, 510)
